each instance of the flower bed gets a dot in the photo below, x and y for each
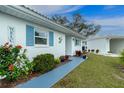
(4, 83)
(16, 68)
(13, 62)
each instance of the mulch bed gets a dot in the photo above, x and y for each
(7, 84)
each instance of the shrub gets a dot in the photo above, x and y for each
(43, 63)
(122, 56)
(97, 51)
(109, 52)
(13, 63)
(92, 50)
(88, 50)
(57, 61)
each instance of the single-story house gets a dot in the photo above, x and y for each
(36, 32)
(106, 44)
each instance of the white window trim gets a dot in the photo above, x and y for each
(79, 41)
(41, 45)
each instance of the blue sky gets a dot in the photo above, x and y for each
(111, 17)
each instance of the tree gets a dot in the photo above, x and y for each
(60, 19)
(91, 29)
(77, 24)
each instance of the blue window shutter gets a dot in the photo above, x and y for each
(51, 39)
(29, 35)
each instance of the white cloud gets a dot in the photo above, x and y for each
(113, 25)
(74, 8)
(54, 9)
(47, 9)
(115, 21)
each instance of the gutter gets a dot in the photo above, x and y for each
(38, 16)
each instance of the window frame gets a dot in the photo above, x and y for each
(84, 42)
(78, 41)
(47, 37)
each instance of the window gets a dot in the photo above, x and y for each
(41, 38)
(77, 42)
(84, 42)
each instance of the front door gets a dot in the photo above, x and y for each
(68, 45)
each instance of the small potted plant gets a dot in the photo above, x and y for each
(79, 53)
(66, 57)
(76, 52)
(62, 58)
(84, 54)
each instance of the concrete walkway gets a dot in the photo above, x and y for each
(47, 80)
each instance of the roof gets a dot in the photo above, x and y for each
(106, 37)
(28, 14)
(43, 15)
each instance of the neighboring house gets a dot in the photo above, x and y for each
(106, 44)
(37, 33)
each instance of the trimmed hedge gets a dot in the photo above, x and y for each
(122, 56)
(43, 63)
(57, 61)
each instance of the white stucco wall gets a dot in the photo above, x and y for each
(101, 44)
(20, 36)
(71, 47)
(75, 47)
(116, 45)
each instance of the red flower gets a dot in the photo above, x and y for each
(19, 46)
(11, 67)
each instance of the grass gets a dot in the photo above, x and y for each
(96, 72)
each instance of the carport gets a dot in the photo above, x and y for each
(116, 45)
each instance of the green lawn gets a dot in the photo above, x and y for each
(96, 71)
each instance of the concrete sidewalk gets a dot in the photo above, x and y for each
(47, 80)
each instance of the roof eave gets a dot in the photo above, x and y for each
(26, 14)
